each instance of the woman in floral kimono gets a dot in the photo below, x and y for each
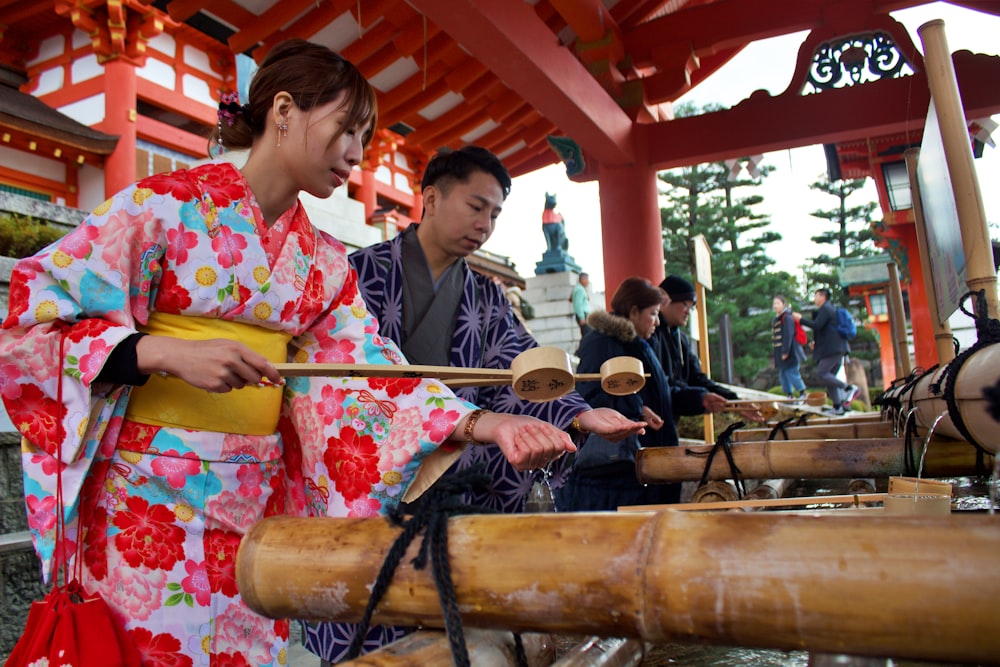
(137, 357)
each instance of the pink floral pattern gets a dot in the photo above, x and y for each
(164, 508)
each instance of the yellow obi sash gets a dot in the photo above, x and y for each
(170, 401)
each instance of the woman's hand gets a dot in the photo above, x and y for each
(216, 365)
(526, 442)
(654, 420)
(609, 423)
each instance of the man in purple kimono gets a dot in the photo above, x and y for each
(441, 312)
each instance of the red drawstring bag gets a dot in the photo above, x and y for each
(68, 626)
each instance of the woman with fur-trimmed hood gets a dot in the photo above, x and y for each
(625, 331)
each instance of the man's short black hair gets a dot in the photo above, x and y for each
(448, 167)
(825, 292)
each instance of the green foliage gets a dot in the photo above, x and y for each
(852, 235)
(701, 200)
(23, 236)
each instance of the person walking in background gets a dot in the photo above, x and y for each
(788, 352)
(581, 303)
(829, 350)
(625, 331)
(138, 363)
(674, 348)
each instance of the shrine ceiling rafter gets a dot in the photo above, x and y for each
(506, 72)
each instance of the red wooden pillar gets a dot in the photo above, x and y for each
(366, 193)
(924, 347)
(887, 355)
(630, 225)
(119, 119)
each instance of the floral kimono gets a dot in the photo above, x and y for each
(160, 505)
(487, 335)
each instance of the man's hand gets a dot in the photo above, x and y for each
(713, 402)
(653, 420)
(610, 424)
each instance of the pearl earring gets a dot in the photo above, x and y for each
(282, 131)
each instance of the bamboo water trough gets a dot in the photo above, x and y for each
(864, 585)
(807, 459)
(954, 393)
(948, 401)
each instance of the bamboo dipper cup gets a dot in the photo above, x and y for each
(541, 374)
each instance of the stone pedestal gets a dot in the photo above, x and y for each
(556, 261)
(553, 324)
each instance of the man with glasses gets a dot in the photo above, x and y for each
(673, 346)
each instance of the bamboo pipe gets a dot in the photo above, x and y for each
(769, 489)
(941, 328)
(714, 491)
(486, 647)
(977, 372)
(861, 418)
(940, 70)
(855, 499)
(918, 587)
(882, 429)
(897, 323)
(805, 459)
(605, 652)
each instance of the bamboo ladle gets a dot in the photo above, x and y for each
(538, 375)
(769, 409)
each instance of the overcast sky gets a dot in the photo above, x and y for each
(787, 197)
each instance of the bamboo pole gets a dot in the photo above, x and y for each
(897, 323)
(855, 499)
(431, 647)
(916, 587)
(805, 459)
(881, 429)
(943, 85)
(942, 330)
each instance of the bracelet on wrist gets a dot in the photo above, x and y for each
(470, 426)
(576, 426)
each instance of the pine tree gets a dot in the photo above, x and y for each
(852, 233)
(701, 200)
(853, 236)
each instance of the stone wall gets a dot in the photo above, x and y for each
(553, 324)
(20, 571)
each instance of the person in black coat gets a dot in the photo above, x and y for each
(625, 331)
(829, 351)
(674, 348)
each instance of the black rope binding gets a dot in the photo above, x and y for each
(430, 514)
(724, 442)
(780, 428)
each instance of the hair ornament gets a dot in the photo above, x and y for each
(230, 107)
